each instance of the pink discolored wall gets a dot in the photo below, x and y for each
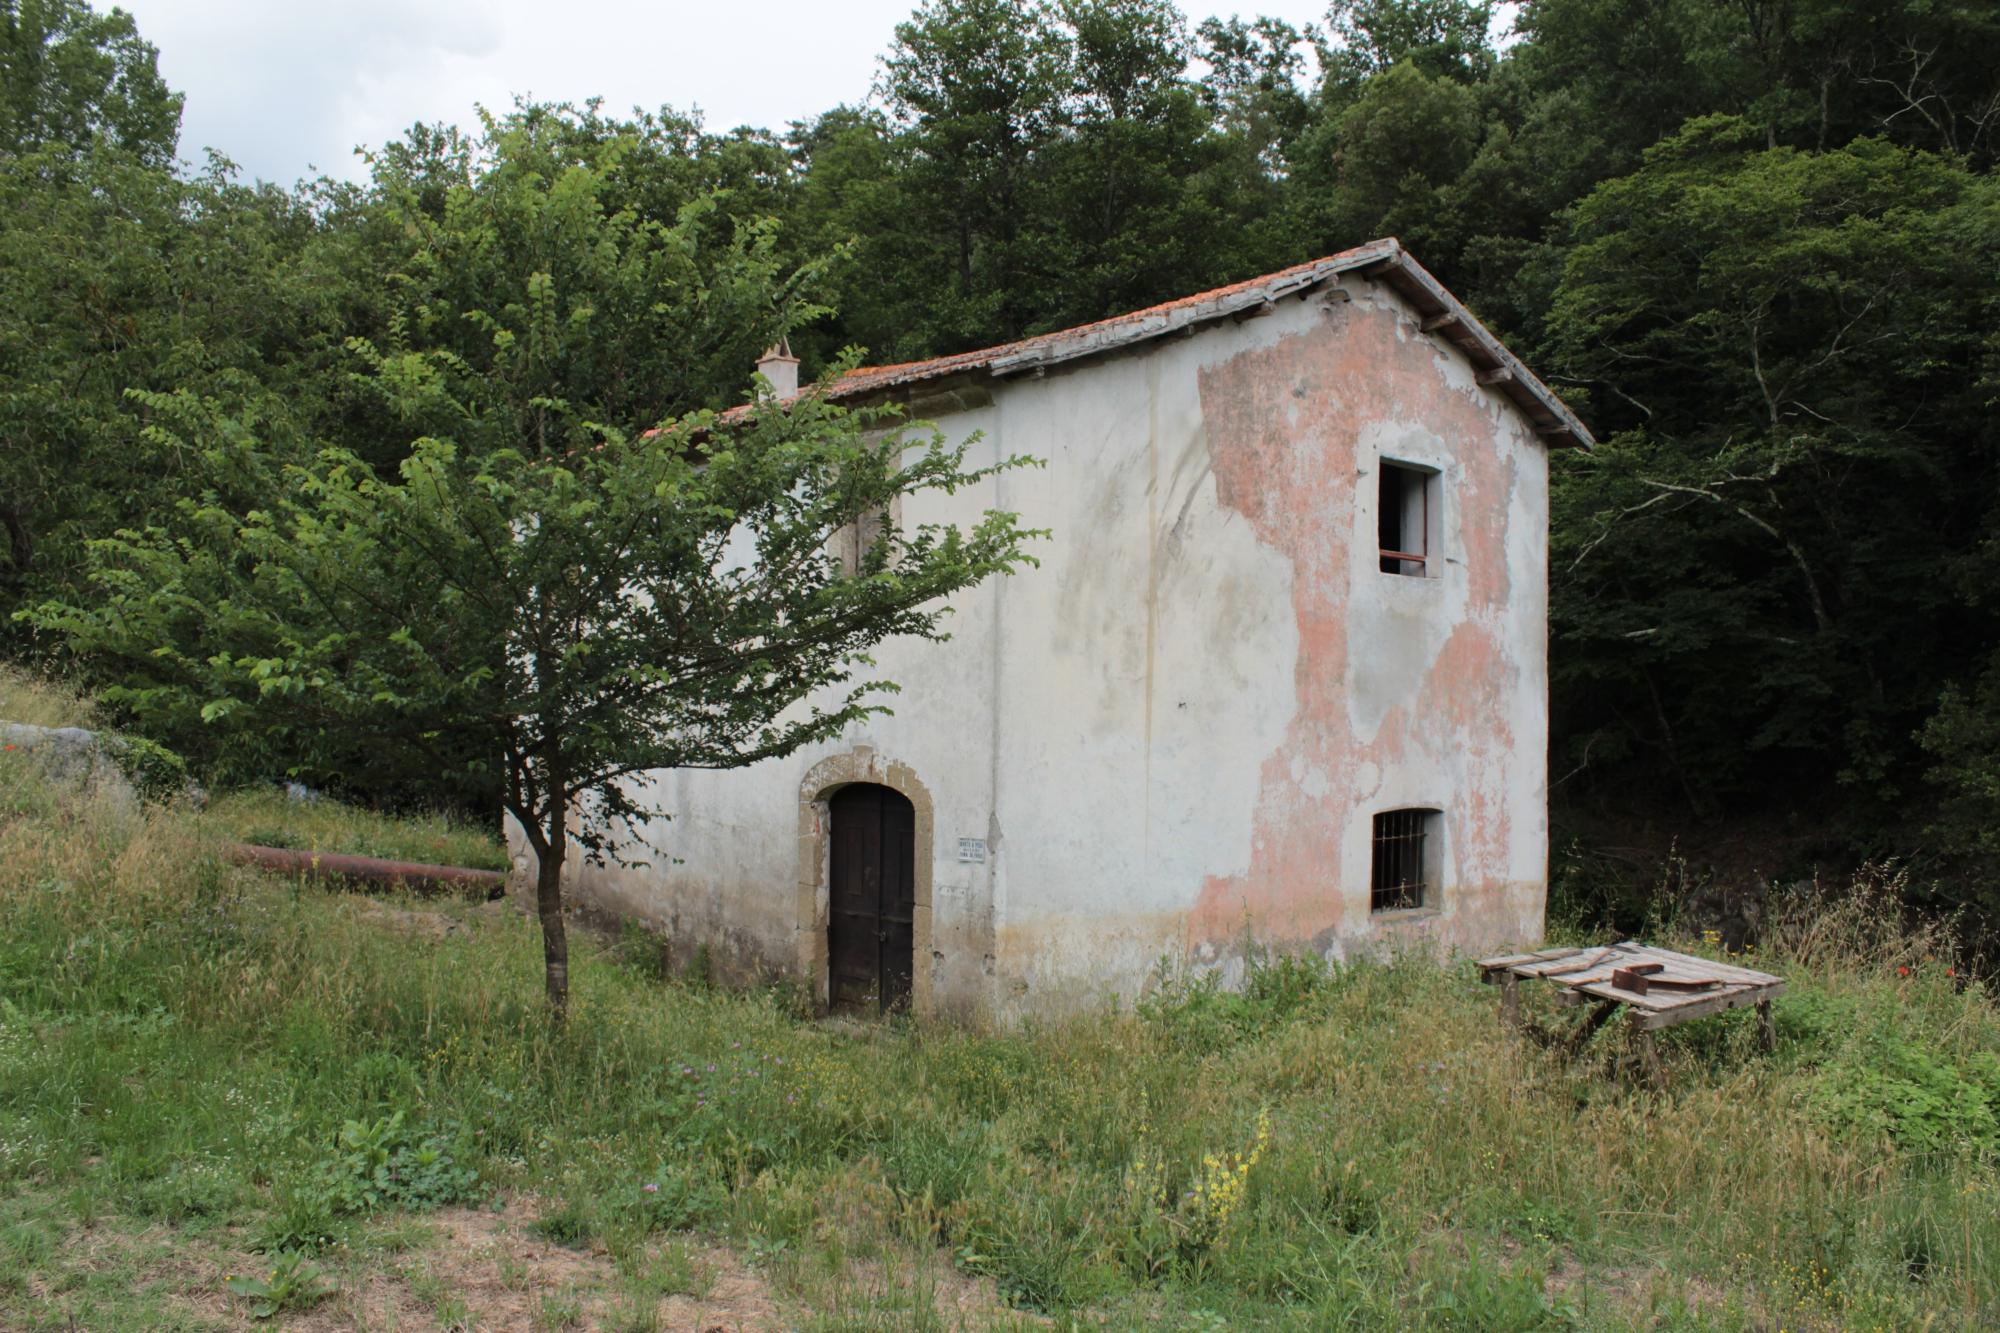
(1304, 489)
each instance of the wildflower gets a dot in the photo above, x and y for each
(650, 1188)
(1902, 971)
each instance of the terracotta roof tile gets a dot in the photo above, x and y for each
(1385, 257)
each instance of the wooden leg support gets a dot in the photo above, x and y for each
(1646, 1046)
(1510, 1000)
(1767, 1031)
(1588, 1027)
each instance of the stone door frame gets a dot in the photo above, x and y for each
(822, 780)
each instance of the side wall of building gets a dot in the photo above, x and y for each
(1172, 736)
(1229, 687)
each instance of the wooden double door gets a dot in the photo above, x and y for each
(871, 899)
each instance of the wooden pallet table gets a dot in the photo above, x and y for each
(1656, 987)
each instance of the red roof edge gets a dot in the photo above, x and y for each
(1440, 313)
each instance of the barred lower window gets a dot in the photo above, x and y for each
(1405, 863)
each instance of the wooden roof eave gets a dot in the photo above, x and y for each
(1240, 305)
(1442, 314)
(1438, 312)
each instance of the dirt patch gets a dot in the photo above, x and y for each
(424, 923)
(464, 1269)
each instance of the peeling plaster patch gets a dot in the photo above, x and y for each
(1312, 781)
(1394, 678)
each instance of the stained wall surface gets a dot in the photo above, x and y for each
(1172, 737)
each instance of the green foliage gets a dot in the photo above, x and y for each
(676, 1196)
(569, 1224)
(293, 1283)
(1888, 1085)
(1757, 559)
(1963, 741)
(1755, 243)
(305, 1219)
(71, 77)
(1210, 1016)
(562, 605)
(384, 1163)
(157, 772)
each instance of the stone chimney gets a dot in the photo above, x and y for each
(781, 368)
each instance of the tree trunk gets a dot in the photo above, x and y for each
(549, 906)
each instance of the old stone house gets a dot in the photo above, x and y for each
(1281, 675)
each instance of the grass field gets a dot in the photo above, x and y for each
(223, 1094)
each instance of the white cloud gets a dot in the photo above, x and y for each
(286, 87)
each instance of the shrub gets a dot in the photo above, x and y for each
(155, 772)
(1199, 1010)
(382, 1163)
(1905, 1090)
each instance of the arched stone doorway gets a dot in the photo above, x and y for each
(904, 812)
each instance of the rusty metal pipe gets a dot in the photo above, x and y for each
(413, 875)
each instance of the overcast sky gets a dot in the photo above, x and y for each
(288, 88)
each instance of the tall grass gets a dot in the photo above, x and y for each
(41, 700)
(270, 817)
(183, 1041)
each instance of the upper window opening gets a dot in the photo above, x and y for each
(1405, 861)
(1407, 514)
(858, 540)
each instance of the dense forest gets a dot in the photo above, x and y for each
(1755, 243)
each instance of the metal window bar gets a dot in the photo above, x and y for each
(1400, 878)
(1394, 532)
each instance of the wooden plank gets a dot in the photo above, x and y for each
(1574, 961)
(1653, 1001)
(1712, 1004)
(1684, 1004)
(1685, 967)
(1492, 965)
(1706, 966)
(1604, 971)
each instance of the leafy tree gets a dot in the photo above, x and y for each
(977, 87)
(1963, 740)
(1447, 38)
(1388, 164)
(1784, 348)
(542, 587)
(1255, 69)
(117, 275)
(1121, 204)
(69, 76)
